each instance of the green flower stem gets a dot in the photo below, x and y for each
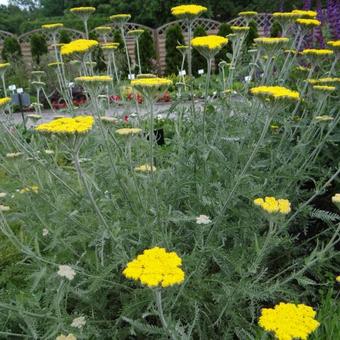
(158, 298)
(126, 48)
(220, 216)
(151, 133)
(4, 84)
(138, 56)
(335, 62)
(85, 20)
(189, 47)
(207, 84)
(78, 143)
(115, 66)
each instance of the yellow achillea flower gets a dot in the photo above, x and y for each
(66, 337)
(95, 80)
(110, 46)
(4, 65)
(324, 81)
(335, 44)
(237, 29)
(305, 14)
(5, 101)
(120, 18)
(285, 15)
(289, 321)
(135, 33)
(145, 168)
(52, 26)
(337, 279)
(291, 51)
(156, 268)
(308, 22)
(271, 41)
(324, 88)
(103, 29)
(34, 189)
(55, 64)
(76, 125)
(151, 82)
(78, 46)
(188, 11)
(14, 154)
(336, 200)
(275, 92)
(83, 10)
(247, 14)
(209, 42)
(317, 52)
(273, 205)
(323, 118)
(128, 131)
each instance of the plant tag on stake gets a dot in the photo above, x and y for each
(182, 73)
(201, 71)
(12, 87)
(20, 90)
(247, 79)
(131, 76)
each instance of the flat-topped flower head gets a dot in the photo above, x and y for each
(188, 11)
(156, 268)
(66, 271)
(285, 16)
(334, 44)
(323, 119)
(4, 208)
(109, 46)
(66, 337)
(34, 116)
(288, 321)
(83, 10)
(324, 88)
(93, 80)
(109, 120)
(145, 168)
(14, 154)
(182, 47)
(38, 84)
(209, 45)
(52, 27)
(203, 219)
(268, 41)
(120, 19)
(5, 101)
(240, 29)
(274, 205)
(151, 86)
(128, 131)
(32, 189)
(308, 22)
(55, 64)
(4, 66)
(146, 75)
(305, 14)
(103, 29)
(68, 126)
(275, 93)
(247, 14)
(135, 33)
(80, 46)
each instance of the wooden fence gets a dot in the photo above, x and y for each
(263, 20)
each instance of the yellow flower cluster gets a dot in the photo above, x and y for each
(316, 52)
(103, 29)
(145, 168)
(323, 118)
(240, 28)
(285, 15)
(110, 46)
(52, 26)
(120, 18)
(34, 189)
(289, 321)
(210, 42)
(76, 125)
(128, 131)
(4, 65)
(305, 14)
(151, 82)
(335, 44)
(188, 10)
(83, 10)
(271, 41)
(337, 279)
(324, 81)
(156, 267)
(135, 33)
(324, 88)
(78, 46)
(275, 92)
(308, 22)
(55, 64)
(247, 14)
(4, 101)
(94, 80)
(273, 205)
(336, 201)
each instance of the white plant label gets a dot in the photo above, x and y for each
(201, 71)
(131, 76)
(182, 73)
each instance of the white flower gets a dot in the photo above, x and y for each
(203, 219)
(4, 208)
(49, 152)
(79, 322)
(66, 271)
(66, 337)
(336, 198)
(3, 194)
(45, 232)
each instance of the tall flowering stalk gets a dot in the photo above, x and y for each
(3, 68)
(188, 13)
(136, 34)
(84, 13)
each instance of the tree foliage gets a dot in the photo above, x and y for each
(38, 47)
(11, 50)
(173, 57)
(198, 61)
